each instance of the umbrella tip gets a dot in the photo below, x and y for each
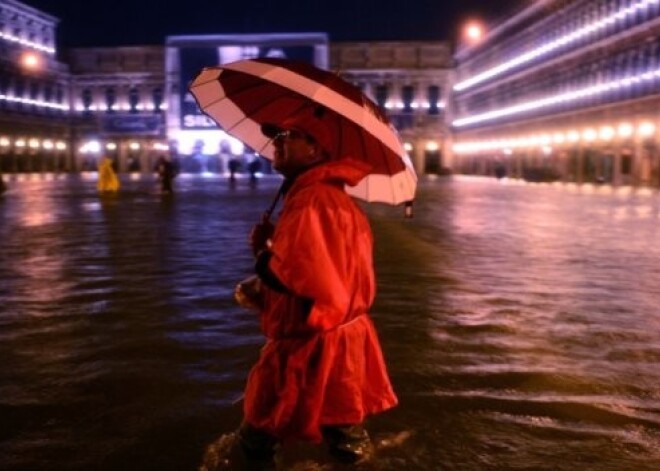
(408, 208)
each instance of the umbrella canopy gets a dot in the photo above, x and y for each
(242, 96)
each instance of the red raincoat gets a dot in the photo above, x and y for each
(323, 367)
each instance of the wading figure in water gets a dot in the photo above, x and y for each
(321, 371)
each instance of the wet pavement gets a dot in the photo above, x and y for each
(519, 322)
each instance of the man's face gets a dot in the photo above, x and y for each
(294, 151)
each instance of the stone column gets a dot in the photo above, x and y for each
(579, 164)
(616, 166)
(638, 164)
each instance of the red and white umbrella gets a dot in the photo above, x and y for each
(243, 95)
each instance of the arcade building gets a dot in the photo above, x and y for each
(562, 91)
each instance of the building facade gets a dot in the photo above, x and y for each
(193, 137)
(132, 104)
(410, 80)
(564, 90)
(34, 93)
(118, 106)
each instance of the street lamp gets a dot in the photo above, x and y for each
(31, 61)
(473, 32)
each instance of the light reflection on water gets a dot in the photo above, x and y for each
(519, 322)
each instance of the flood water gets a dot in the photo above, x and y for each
(520, 324)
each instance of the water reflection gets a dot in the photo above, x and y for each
(519, 322)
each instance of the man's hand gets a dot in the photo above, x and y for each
(248, 293)
(260, 234)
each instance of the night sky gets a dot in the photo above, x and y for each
(88, 23)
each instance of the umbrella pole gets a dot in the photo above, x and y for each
(270, 210)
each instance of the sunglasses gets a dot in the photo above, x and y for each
(290, 134)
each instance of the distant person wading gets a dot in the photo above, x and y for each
(108, 181)
(166, 171)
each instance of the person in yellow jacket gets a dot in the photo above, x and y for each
(108, 180)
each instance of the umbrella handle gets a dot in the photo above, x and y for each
(267, 214)
(408, 209)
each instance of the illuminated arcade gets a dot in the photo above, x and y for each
(562, 91)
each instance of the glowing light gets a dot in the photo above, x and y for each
(408, 146)
(38, 103)
(646, 129)
(432, 146)
(25, 42)
(134, 146)
(47, 144)
(549, 101)
(160, 146)
(31, 61)
(606, 133)
(33, 143)
(4, 142)
(92, 147)
(474, 32)
(236, 146)
(111, 146)
(188, 142)
(625, 130)
(589, 135)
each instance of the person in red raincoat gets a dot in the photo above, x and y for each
(321, 371)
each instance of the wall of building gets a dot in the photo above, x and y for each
(34, 130)
(118, 106)
(410, 80)
(195, 139)
(126, 102)
(570, 91)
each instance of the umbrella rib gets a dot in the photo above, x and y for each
(389, 169)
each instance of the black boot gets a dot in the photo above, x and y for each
(348, 443)
(257, 446)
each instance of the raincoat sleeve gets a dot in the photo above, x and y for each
(265, 273)
(310, 259)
